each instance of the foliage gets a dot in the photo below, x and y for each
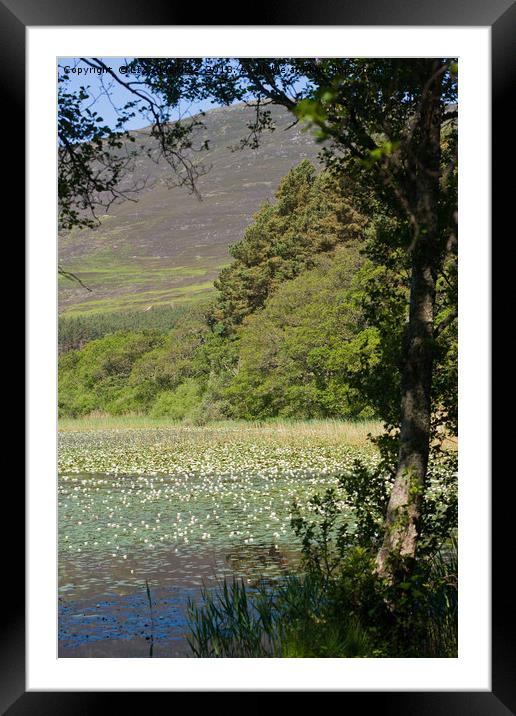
(312, 317)
(95, 378)
(173, 361)
(340, 607)
(300, 617)
(415, 612)
(311, 215)
(96, 162)
(232, 625)
(74, 332)
(325, 343)
(91, 163)
(177, 404)
(297, 354)
(351, 515)
(279, 619)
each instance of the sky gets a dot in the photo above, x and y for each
(118, 95)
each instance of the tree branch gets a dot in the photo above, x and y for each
(72, 277)
(445, 323)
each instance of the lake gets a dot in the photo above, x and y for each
(117, 532)
(177, 508)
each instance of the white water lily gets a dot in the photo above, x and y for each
(204, 489)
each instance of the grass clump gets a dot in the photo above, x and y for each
(339, 606)
(354, 615)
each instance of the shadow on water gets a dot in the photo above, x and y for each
(153, 622)
(119, 626)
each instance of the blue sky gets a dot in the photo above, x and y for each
(100, 88)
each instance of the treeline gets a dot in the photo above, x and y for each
(307, 324)
(75, 331)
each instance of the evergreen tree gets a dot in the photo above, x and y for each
(312, 214)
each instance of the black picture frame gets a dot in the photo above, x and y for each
(500, 16)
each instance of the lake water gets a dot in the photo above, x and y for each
(118, 533)
(177, 508)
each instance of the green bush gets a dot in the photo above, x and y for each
(97, 376)
(296, 355)
(130, 372)
(179, 403)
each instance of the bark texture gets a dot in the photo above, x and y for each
(404, 509)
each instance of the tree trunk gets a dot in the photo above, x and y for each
(404, 508)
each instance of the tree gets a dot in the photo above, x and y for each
(384, 121)
(296, 355)
(312, 215)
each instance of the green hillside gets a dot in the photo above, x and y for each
(169, 246)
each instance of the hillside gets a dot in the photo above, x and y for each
(168, 247)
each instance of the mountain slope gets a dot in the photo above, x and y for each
(168, 247)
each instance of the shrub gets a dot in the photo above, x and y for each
(97, 376)
(297, 353)
(179, 403)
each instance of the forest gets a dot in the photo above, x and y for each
(306, 324)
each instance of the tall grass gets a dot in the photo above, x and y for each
(100, 420)
(328, 432)
(287, 619)
(303, 617)
(234, 621)
(443, 607)
(151, 637)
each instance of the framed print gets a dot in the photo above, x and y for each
(114, 490)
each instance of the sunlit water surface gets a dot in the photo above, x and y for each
(120, 533)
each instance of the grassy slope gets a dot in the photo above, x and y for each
(169, 246)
